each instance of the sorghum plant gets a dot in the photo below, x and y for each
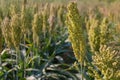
(6, 31)
(15, 30)
(61, 15)
(52, 18)
(26, 20)
(76, 34)
(37, 28)
(45, 15)
(93, 33)
(100, 32)
(104, 32)
(107, 61)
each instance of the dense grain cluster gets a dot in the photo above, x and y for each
(107, 61)
(76, 33)
(93, 33)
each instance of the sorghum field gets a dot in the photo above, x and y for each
(59, 39)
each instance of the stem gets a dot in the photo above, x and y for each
(12, 64)
(17, 61)
(23, 74)
(0, 61)
(82, 70)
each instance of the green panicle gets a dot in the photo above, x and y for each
(16, 30)
(61, 15)
(37, 28)
(76, 33)
(45, 15)
(104, 31)
(93, 31)
(107, 61)
(52, 18)
(26, 19)
(6, 31)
